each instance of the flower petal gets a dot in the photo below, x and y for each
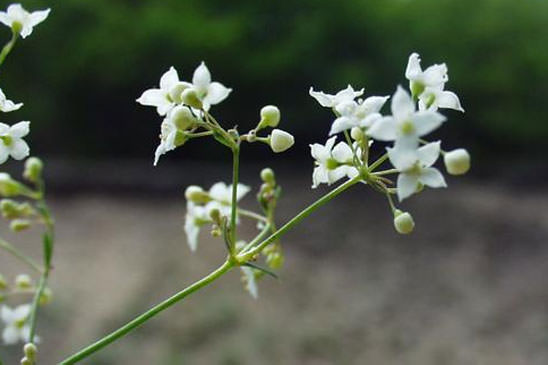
(216, 92)
(10, 335)
(413, 68)
(402, 158)
(429, 153)
(448, 99)
(342, 153)
(39, 16)
(432, 177)
(384, 129)
(19, 130)
(426, 121)
(169, 79)
(402, 104)
(201, 78)
(341, 124)
(20, 149)
(319, 176)
(406, 185)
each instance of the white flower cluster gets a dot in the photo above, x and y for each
(413, 116)
(21, 21)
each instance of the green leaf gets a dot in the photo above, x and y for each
(260, 268)
(48, 248)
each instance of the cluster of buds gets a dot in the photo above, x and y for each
(413, 117)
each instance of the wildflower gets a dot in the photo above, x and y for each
(16, 323)
(457, 162)
(331, 101)
(171, 135)
(196, 217)
(11, 141)
(403, 222)
(281, 140)
(8, 186)
(20, 20)
(222, 192)
(415, 168)
(358, 114)
(433, 76)
(250, 281)
(210, 93)
(167, 96)
(7, 105)
(332, 163)
(406, 125)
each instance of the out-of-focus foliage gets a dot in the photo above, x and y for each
(81, 71)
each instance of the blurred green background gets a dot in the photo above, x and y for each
(81, 71)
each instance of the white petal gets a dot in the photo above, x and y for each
(448, 99)
(20, 149)
(370, 120)
(342, 153)
(220, 191)
(347, 94)
(169, 79)
(407, 185)
(4, 153)
(5, 19)
(251, 283)
(413, 66)
(384, 129)
(402, 104)
(241, 191)
(37, 17)
(201, 78)
(435, 75)
(192, 232)
(319, 152)
(10, 335)
(22, 312)
(10, 106)
(336, 174)
(7, 314)
(160, 150)
(427, 121)
(352, 172)
(216, 92)
(374, 103)
(319, 176)
(432, 177)
(20, 129)
(4, 128)
(402, 158)
(325, 100)
(341, 124)
(429, 153)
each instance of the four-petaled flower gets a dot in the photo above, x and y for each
(332, 163)
(7, 105)
(331, 101)
(11, 141)
(357, 114)
(415, 167)
(20, 20)
(168, 95)
(16, 323)
(210, 93)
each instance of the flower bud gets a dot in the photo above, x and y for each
(8, 186)
(46, 297)
(18, 225)
(196, 195)
(403, 222)
(33, 169)
(281, 140)
(457, 162)
(267, 175)
(270, 117)
(215, 215)
(176, 91)
(26, 361)
(190, 98)
(356, 133)
(182, 118)
(23, 281)
(3, 283)
(417, 88)
(30, 351)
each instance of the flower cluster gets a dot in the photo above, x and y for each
(413, 116)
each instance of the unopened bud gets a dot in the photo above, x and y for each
(267, 175)
(33, 169)
(275, 260)
(30, 351)
(18, 225)
(356, 133)
(457, 162)
(182, 118)
(3, 283)
(46, 297)
(281, 141)
(403, 222)
(23, 281)
(26, 361)
(8, 186)
(270, 117)
(215, 215)
(196, 195)
(190, 98)
(176, 91)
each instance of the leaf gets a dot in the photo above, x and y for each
(48, 248)
(266, 271)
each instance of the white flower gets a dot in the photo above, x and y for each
(210, 93)
(415, 168)
(435, 97)
(16, 323)
(358, 114)
(8, 105)
(332, 163)
(250, 281)
(196, 217)
(434, 75)
(11, 141)
(168, 95)
(405, 125)
(21, 20)
(168, 135)
(222, 192)
(331, 101)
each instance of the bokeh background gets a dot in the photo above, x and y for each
(468, 287)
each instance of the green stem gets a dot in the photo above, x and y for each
(252, 215)
(130, 326)
(235, 180)
(379, 162)
(260, 236)
(21, 256)
(8, 47)
(247, 255)
(386, 172)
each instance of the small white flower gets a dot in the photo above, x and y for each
(415, 168)
(168, 135)
(168, 95)
(7, 105)
(250, 281)
(405, 125)
(222, 193)
(434, 75)
(21, 20)
(16, 323)
(11, 141)
(332, 163)
(210, 93)
(358, 114)
(435, 97)
(331, 101)
(196, 217)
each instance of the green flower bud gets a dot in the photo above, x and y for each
(270, 117)
(457, 162)
(190, 98)
(26, 361)
(182, 118)
(356, 133)
(417, 88)
(23, 281)
(196, 195)
(275, 260)
(267, 175)
(281, 141)
(176, 91)
(8, 186)
(18, 225)
(11, 209)
(33, 169)
(30, 351)
(215, 215)
(46, 297)
(403, 222)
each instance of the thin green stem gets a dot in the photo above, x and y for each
(386, 172)
(130, 326)
(199, 134)
(8, 47)
(19, 255)
(252, 215)
(245, 256)
(260, 236)
(235, 181)
(379, 162)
